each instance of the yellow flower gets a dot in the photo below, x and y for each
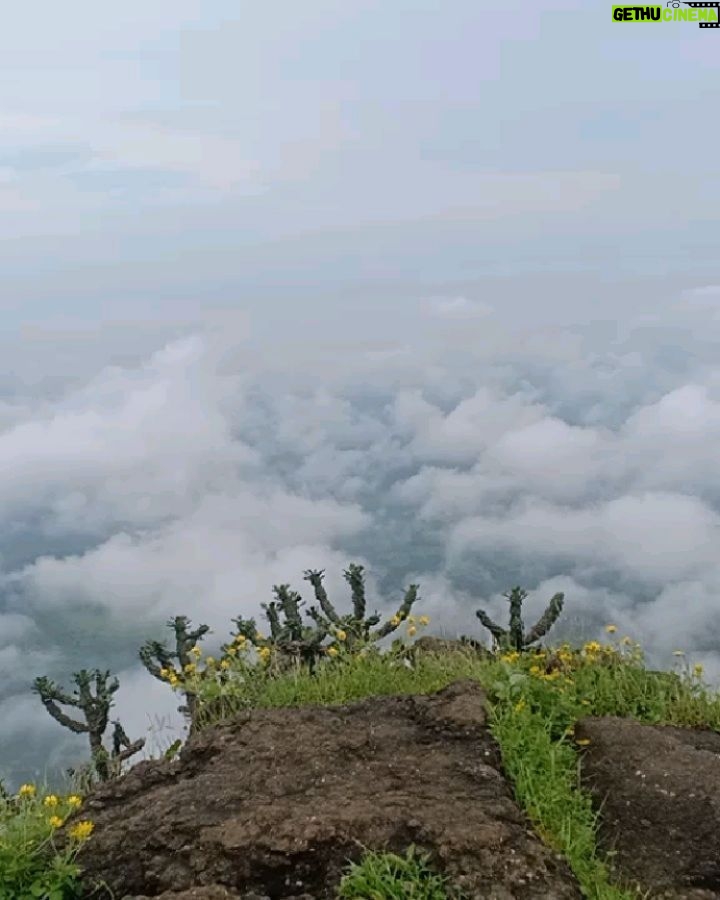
(55, 821)
(520, 705)
(592, 647)
(225, 664)
(626, 640)
(259, 636)
(27, 790)
(535, 670)
(395, 621)
(411, 630)
(611, 629)
(511, 657)
(164, 673)
(698, 669)
(582, 742)
(173, 679)
(411, 620)
(240, 639)
(231, 651)
(74, 800)
(82, 830)
(210, 661)
(190, 668)
(264, 653)
(50, 800)
(341, 635)
(332, 651)
(196, 651)
(424, 620)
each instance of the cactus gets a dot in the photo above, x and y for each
(156, 658)
(356, 626)
(292, 640)
(515, 638)
(95, 709)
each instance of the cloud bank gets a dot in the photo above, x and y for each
(469, 457)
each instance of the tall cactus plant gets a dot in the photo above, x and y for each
(95, 709)
(515, 637)
(158, 659)
(292, 639)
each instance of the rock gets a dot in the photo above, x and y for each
(660, 786)
(276, 801)
(431, 644)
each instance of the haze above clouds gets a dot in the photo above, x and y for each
(432, 289)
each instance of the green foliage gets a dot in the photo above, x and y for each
(515, 637)
(157, 658)
(95, 709)
(387, 876)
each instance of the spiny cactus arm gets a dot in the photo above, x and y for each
(245, 627)
(152, 650)
(516, 597)
(498, 632)
(272, 614)
(411, 596)
(290, 601)
(123, 747)
(51, 695)
(185, 640)
(319, 618)
(547, 620)
(315, 578)
(354, 577)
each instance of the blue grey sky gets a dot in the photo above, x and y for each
(432, 287)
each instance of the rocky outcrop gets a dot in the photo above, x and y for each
(657, 788)
(276, 802)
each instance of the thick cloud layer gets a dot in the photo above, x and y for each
(469, 456)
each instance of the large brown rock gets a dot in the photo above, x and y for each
(276, 802)
(658, 791)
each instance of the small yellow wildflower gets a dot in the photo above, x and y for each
(82, 830)
(332, 651)
(424, 620)
(232, 651)
(264, 653)
(520, 705)
(698, 669)
(225, 664)
(173, 679)
(611, 629)
(259, 636)
(592, 647)
(341, 635)
(27, 790)
(196, 651)
(395, 621)
(164, 673)
(55, 821)
(412, 630)
(74, 801)
(582, 742)
(411, 620)
(626, 640)
(190, 668)
(51, 800)
(210, 661)
(535, 670)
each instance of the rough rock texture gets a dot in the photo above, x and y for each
(661, 791)
(277, 801)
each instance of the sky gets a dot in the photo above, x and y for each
(429, 287)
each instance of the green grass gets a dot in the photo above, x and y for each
(532, 716)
